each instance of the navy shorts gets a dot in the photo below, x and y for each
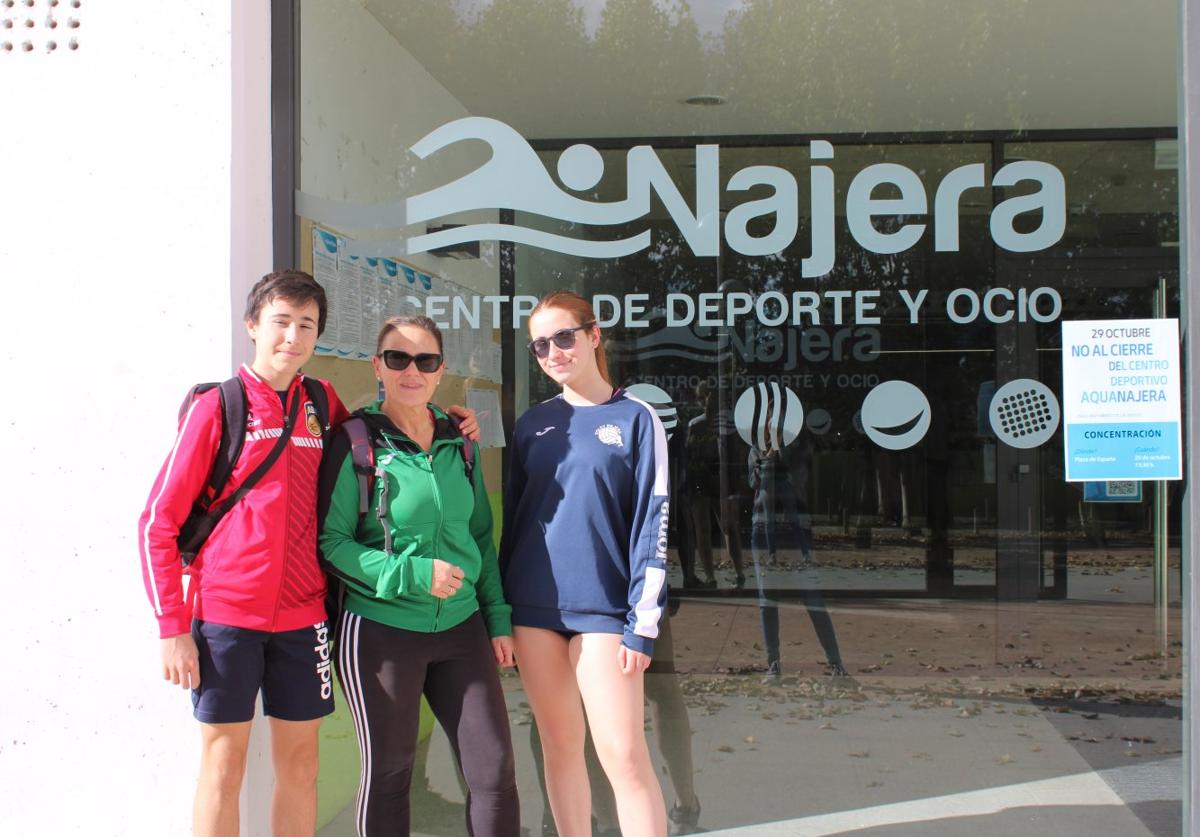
(291, 668)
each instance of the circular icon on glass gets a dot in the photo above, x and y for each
(580, 167)
(818, 422)
(895, 415)
(768, 416)
(660, 400)
(1024, 413)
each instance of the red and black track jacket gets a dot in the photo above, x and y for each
(259, 568)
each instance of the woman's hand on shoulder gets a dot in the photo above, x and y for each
(632, 662)
(468, 422)
(446, 580)
(502, 647)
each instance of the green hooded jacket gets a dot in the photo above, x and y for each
(433, 512)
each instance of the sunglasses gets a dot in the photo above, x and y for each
(564, 338)
(399, 361)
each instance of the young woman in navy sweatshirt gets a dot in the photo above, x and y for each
(583, 559)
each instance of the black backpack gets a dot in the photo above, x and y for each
(204, 516)
(361, 436)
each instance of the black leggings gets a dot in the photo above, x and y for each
(383, 672)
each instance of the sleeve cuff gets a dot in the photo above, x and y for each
(638, 643)
(174, 623)
(498, 621)
(404, 573)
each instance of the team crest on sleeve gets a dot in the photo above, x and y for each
(311, 420)
(610, 434)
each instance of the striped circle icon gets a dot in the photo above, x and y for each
(660, 400)
(768, 416)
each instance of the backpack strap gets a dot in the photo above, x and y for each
(362, 456)
(233, 434)
(468, 451)
(196, 529)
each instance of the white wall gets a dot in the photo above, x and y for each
(115, 258)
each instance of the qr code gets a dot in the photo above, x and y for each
(1121, 488)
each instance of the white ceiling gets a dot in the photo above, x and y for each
(591, 68)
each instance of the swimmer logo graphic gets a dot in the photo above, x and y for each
(515, 178)
(895, 415)
(1121, 400)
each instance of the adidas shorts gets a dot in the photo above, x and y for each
(292, 669)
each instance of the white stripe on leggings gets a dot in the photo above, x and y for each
(352, 683)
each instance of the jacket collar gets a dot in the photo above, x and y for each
(261, 393)
(444, 429)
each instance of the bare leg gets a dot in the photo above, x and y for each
(222, 766)
(616, 715)
(546, 672)
(294, 752)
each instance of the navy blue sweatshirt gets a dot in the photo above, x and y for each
(584, 546)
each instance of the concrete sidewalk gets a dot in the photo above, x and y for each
(960, 717)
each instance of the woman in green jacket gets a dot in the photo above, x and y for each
(424, 612)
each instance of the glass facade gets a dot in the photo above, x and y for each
(834, 245)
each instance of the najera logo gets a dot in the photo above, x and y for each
(515, 178)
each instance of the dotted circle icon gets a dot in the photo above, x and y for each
(1024, 413)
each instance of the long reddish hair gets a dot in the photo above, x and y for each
(581, 310)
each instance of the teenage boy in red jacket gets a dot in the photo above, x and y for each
(254, 616)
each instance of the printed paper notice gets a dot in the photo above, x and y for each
(348, 304)
(1121, 404)
(486, 404)
(325, 271)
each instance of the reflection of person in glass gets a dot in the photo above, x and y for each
(583, 559)
(780, 520)
(713, 477)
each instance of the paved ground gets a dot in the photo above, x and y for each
(944, 729)
(959, 717)
(804, 759)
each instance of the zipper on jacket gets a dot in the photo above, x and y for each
(437, 539)
(287, 511)
(414, 450)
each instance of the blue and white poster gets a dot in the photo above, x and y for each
(1121, 402)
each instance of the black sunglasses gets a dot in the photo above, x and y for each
(564, 338)
(399, 361)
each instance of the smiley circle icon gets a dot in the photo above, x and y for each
(818, 421)
(895, 415)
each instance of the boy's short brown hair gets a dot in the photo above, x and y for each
(296, 286)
